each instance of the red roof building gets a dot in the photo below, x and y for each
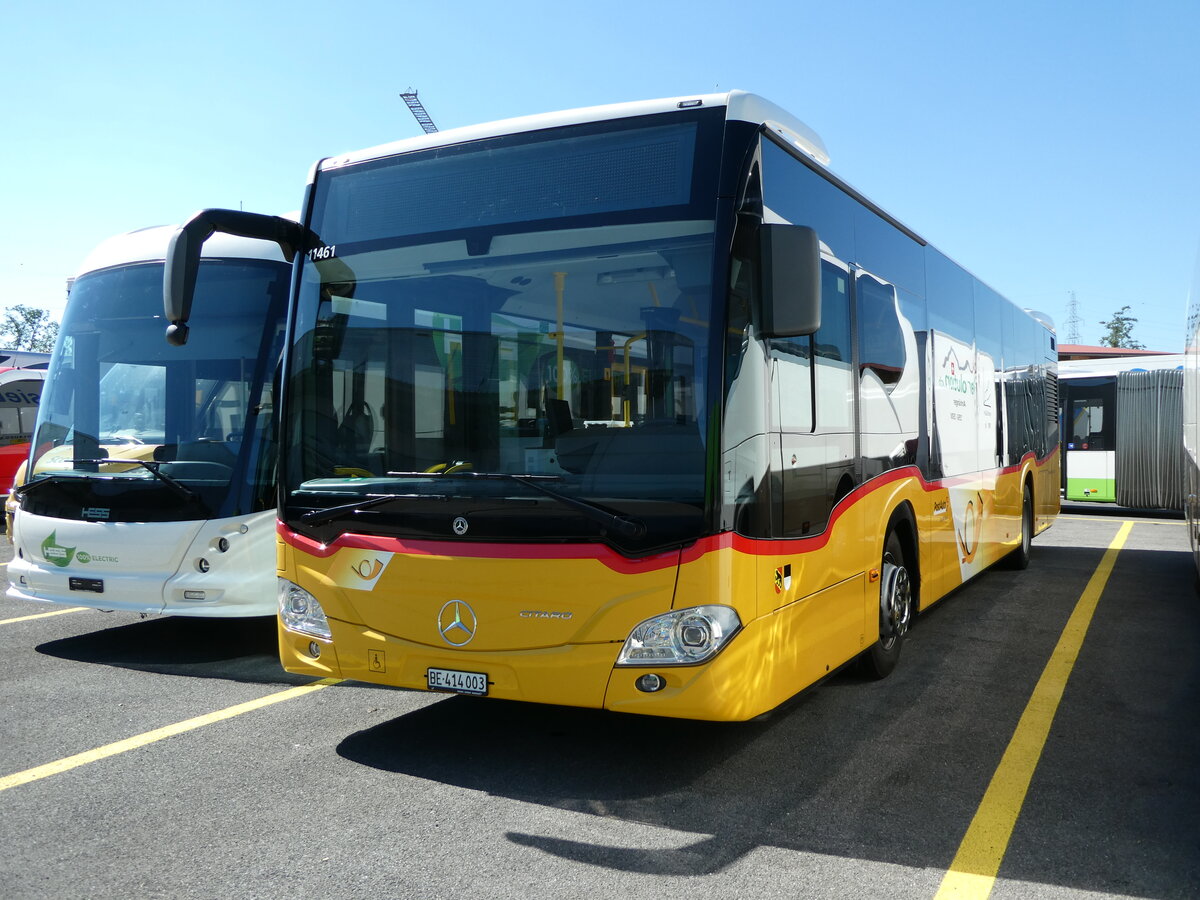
(1084, 351)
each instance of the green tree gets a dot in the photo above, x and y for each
(28, 328)
(1120, 331)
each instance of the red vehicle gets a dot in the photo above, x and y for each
(20, 390)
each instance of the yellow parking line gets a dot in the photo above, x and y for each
(45, 615)
(158, 734)
(972, 874)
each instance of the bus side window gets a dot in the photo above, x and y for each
(833, 338)
(831, 349)
(881, 341)
(1087, 423)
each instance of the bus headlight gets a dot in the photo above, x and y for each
(300, 611)
(682, 637)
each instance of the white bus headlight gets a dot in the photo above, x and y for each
(682, 637)
(300, 611)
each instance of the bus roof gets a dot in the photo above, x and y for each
(9, 375)
(740, 106)
(23, 359)
(150, 244)
(1093, 368)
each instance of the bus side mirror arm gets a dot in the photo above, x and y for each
(183, 256)
(791, 280)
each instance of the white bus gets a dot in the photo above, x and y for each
(150, 484)
(1191, 416)
(1121, 421)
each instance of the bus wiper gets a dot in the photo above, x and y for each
(61, 477)
(152, 467)
(623, 525)
(51, 478)
(324, 516)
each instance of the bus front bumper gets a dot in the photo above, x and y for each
(729, 687)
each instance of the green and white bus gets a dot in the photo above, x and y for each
(1122, 426)
(150, 484)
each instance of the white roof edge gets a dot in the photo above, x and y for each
(1113, 365)
(150, 245)
(744, 107)
(1042, 317)
(741, 106)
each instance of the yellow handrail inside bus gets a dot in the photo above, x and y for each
(628, 369)
(560, 279)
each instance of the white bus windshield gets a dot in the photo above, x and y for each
(121, 405)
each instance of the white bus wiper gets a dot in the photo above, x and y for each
(62, 477)
(51, 478)
(152, 467)
(623, 525)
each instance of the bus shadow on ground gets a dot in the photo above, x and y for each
(649, 770)
(890, 772)
(231, 649)
(733, 787)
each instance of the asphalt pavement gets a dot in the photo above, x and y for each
(173, 758)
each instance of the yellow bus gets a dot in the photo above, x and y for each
(637, 407)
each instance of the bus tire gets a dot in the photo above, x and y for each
(1018, 559)
(896, 609)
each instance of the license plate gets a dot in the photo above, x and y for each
(457, 682)
(95, 585)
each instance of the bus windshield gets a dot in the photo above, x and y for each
(551, 321)
(181, 429)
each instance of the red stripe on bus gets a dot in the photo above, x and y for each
(479, 550)
(612, 559)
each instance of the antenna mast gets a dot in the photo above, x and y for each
(1073, 320)
(418, 111)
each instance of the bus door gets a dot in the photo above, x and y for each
(1089, 420)
(816, 397)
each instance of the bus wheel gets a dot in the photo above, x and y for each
(896, 608)
(1019, 558)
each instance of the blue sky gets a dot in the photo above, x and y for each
(1049, 147)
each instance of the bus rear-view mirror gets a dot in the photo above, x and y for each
(791, 280)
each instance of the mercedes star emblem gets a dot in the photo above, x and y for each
(456, 623)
